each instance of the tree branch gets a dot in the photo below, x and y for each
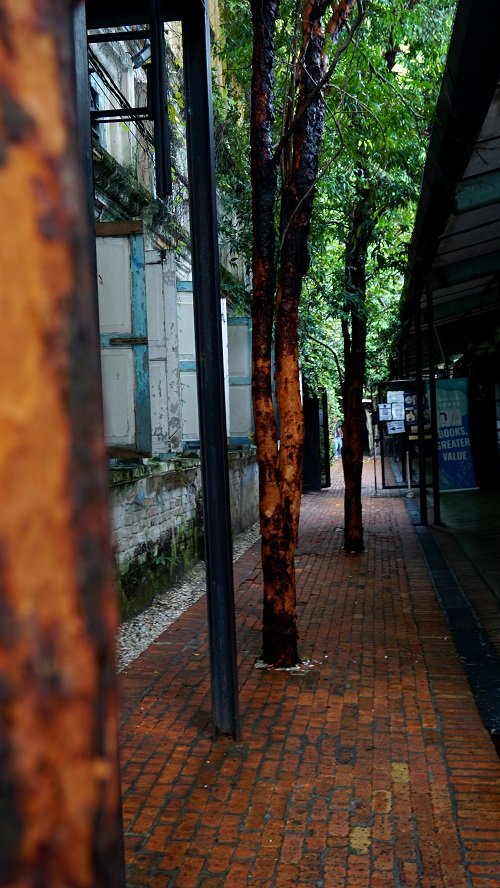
(307, 193)
(388, 83)
(322, 82)
(335, 357)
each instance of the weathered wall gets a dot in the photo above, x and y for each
(243, 489)
(157, 520)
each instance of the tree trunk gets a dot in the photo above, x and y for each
(59, 789)
(275, 301)
(279, 622)
(355, 359)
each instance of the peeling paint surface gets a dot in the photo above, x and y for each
(55, 662)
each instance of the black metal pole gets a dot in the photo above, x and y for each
(326, 439)
(382, 456)
(116, 877)
(436, 497)
(375, 437)
(422, 479)
(82, 90)
(210, 373)
(158, 74)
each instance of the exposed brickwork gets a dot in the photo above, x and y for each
(369, 768)
(165, 502)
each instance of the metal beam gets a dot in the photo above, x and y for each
(209, 360)
(158, 86)
(117, 13)
(82, 95)
(210, 372)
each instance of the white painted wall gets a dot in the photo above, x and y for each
(114, 289)
(187, 358)
(166, 414)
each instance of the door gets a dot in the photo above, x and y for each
(240, 379)
(121, 289)
(163, 344)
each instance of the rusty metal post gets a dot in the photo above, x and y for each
(59, 798)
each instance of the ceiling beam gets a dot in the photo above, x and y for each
(115, 14)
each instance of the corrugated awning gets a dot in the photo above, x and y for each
(455, 249)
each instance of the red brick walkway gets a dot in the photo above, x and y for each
(370, 768)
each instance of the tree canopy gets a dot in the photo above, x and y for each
(340, 96)
(380, 104)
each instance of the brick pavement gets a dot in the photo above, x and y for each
(368, 768)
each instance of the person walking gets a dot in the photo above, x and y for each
(339, 434)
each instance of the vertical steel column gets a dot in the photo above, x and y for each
(420, 410)
(382, 456)
(82, 91)
(158, 82)
(326, 439)
(210, 374)
(58, 705)
(436, 496)
(82, 96)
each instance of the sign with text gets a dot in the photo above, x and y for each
(456, 469)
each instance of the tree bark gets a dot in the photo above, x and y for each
(276, 294)
(354, 362)
(278, 624)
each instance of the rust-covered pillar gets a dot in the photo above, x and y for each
(59, 790)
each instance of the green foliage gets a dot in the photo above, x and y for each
(232, 139)
(236, 293)
(380, 103)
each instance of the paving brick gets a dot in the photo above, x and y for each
(368, 768)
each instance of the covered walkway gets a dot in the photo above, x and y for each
(368, 767)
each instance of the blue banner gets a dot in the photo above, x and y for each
(456, 470)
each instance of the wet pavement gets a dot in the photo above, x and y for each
(368, 767)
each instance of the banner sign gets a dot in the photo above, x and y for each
(456, 470)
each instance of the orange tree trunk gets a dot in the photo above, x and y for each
(275, 305)
(59, 791)
(355, 360)
(279, 624)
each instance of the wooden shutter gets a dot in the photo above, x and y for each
(240, 379)
(123, 332)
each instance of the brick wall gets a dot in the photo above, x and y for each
(157, 519)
